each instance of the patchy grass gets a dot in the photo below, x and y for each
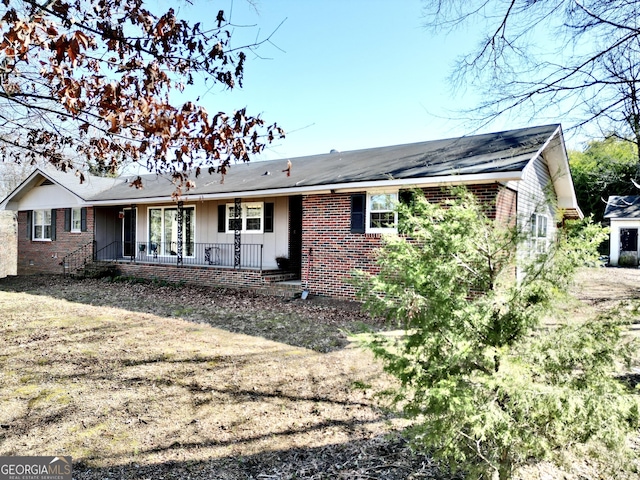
(315, 324)
(136, 380)
(104, 373)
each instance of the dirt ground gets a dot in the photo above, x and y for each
(607, 286)
(153, 381)
(600, 289)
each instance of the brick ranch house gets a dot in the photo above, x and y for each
(326, 215)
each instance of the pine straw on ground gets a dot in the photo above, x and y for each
(153, 381)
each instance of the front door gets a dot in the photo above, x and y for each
(129, 233)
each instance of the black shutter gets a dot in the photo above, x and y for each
(222, 220)
(358, 210)
(67, 219)
(53, 223)
(29, 224)
(83, 219)
(268, 217)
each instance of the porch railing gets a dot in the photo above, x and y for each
(199, 254)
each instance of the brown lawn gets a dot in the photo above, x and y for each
(153, 381)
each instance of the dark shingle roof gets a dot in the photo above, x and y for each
(627, 206)
(508, 151)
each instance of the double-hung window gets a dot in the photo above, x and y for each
(382, 216)
(539, 233)
(41, 225)
(164, 227)
(374, 212)
(76, 219)
(249, 219)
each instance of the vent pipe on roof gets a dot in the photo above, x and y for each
(333, 150)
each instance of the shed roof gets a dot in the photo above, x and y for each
(623, 206)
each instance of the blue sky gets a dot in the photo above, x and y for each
(342, 74)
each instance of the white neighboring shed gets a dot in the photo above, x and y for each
(624, 214)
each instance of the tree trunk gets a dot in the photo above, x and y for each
(505, 465)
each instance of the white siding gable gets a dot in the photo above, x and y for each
(536, 195)
(47, 197)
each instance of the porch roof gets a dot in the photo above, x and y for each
(490, 157)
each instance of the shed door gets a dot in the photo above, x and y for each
(628, 247)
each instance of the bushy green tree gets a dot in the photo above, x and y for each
(487, 390)
(605, 167)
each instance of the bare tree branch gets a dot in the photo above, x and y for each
(94, 82)
(568, 57)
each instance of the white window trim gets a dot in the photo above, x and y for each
(33, 226)
(229, 206)
(78, 211)
(148, 252)
(369, 211)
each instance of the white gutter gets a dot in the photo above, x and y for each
(331, 188)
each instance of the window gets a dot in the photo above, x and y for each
(538, 233)
(250, 218)
(163, 231)
(382, 216)
(41, 225)
(76, 219)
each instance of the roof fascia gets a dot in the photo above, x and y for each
(546, 143)
(330, 188)
(562, 178)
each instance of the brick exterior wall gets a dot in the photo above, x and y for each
(45, 256)
(500, 202)
(208, 277)
(336, 252)
(204, 276)
(326, 233)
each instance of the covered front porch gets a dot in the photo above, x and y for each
(210, 265)
(262, 234)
